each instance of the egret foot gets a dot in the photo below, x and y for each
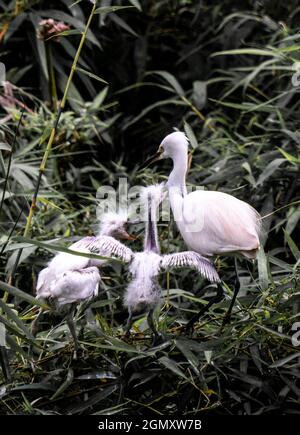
(226, 321)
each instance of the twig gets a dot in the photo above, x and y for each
(12, 230)
(10, 160)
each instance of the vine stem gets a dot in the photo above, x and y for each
(50, 142)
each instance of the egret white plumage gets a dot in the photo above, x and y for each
(70, 279)
(210, 222)
(144, 291)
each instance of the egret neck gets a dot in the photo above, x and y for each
(176, 183)
(151, 240)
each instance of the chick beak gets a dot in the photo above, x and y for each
(154, 158)
(126, 236)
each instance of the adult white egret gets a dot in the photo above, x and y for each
(144, 291)
(210, 222)
(70, 279)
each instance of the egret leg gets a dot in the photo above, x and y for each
(5, 364)
(157, 336)
(237, 286)
(129, 323)
(217, 298)
(71, 325)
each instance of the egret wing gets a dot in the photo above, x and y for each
(217, 223)
(191, 259)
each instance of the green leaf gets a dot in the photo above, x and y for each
(292, 221)
(67, 382)
(98, 100)
(251, 51)
(93, 76)
(65, 33)
(190, 134)
(262, 269)
(289, 157)
(269, 170)
(171, 80)
(58, 248)
(94, 399)
(183, 346)
(281, 362)
(173, 366)
(14, 318)
(292, 245)
(5, 146)
(108, 9)
(122, 23)
(136, 4)
(22, 295)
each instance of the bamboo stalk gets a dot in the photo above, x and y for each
(50, 141)
(10, 160)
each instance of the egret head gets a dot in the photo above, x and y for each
(115, 225)
(153, 195)
(174, 144)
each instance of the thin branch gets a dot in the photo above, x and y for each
(10, 160)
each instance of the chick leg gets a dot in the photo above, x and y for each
(129, 322)
(36, 322)
(157, 336)
(71, 325)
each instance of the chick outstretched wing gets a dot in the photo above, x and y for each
(110, 247)
(191, 259)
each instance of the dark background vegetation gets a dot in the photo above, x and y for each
(240, 110)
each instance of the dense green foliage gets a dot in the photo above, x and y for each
(225, 73)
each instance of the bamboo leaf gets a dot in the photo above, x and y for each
(262, 269)
(22, 295)
(173, 366)
(109, 9)
(93, 76)
(67, 382)
(58, 248)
